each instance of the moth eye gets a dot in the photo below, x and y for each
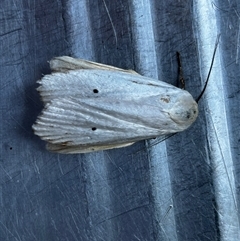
(95, 91)
(94, 128)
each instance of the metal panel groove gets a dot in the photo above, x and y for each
(185, 188)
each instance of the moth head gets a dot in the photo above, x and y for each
(185, 110)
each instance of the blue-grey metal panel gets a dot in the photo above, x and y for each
(186, 188)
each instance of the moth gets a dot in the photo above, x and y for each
(90, 106)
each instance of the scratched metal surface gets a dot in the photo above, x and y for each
(186, 188)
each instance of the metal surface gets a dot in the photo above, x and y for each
(186, 188)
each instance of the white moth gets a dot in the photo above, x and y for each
(91, 106)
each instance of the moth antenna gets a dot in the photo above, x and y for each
(209, 72)
(159, 141)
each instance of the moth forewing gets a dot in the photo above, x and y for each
(104, 107)
(81, 148)
(65, 63)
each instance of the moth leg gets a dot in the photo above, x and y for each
(65, 63)
(181, 82)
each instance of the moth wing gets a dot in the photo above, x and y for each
(84, 124)
(106, 109)
(64, 149)
(65, 63)
(91, 83)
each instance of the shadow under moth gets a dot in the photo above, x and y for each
(90, 106)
